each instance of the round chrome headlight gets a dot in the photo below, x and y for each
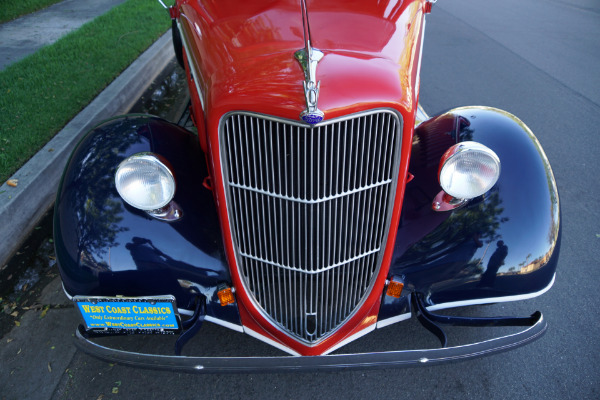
(468, 170)
(145, 182)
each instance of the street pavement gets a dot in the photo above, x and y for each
(536, 60)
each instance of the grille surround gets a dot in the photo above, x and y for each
(309, 307)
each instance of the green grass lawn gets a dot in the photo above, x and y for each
(11, 9)
(41, 93)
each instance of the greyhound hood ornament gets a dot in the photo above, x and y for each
(308, 58)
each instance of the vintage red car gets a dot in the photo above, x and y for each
(316, 203)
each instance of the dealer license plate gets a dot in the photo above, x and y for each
(156, 314)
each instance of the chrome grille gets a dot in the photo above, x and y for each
(309, 210)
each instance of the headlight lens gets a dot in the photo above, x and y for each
(145, 182)
(468, 170)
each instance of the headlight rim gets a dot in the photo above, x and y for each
(163, 164)
(462, 147)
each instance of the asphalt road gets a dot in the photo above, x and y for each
(537, 60)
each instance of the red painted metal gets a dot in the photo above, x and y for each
(174, 12)
(244, 52)
(427, 7)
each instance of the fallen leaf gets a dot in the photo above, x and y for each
(49, 368)
(17, 323)
(8, 340)
(100, 397)
(12, 182)
(25, 308)
(44, 311)
(115, 390)
(19, 352)
(14, 314)
(598, 235)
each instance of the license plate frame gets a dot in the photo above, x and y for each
(129, 315)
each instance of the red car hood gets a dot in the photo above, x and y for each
(247, 52)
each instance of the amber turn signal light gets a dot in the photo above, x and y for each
(394, 289)
(226, 296)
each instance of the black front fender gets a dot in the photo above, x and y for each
(503, 245)
(105, 247)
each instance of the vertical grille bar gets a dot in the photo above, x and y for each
(309, 208)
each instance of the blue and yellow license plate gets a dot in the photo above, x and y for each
(155, 314)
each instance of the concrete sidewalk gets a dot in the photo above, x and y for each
(26, 35)
(21, 207)
(34, 364)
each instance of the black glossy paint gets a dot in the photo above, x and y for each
(105, 247)
(504, 243)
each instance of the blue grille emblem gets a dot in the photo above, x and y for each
(312, 118)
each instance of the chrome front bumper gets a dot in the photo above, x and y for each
(536, 327)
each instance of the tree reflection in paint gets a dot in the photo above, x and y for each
(496, 261)
(462, 234)
(99, 209)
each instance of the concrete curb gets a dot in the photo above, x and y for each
(23, 206)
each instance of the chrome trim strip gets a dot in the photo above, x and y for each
(193, 67)
(421, 115)
(269, 341)
(418, 86)
(66, 293)
(311, 272)
(304, 201)
(226, 324)
(465, 303)
(389, 321)
(489, 300)
(352, 338)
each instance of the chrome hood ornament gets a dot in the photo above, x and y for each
(308, 58)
